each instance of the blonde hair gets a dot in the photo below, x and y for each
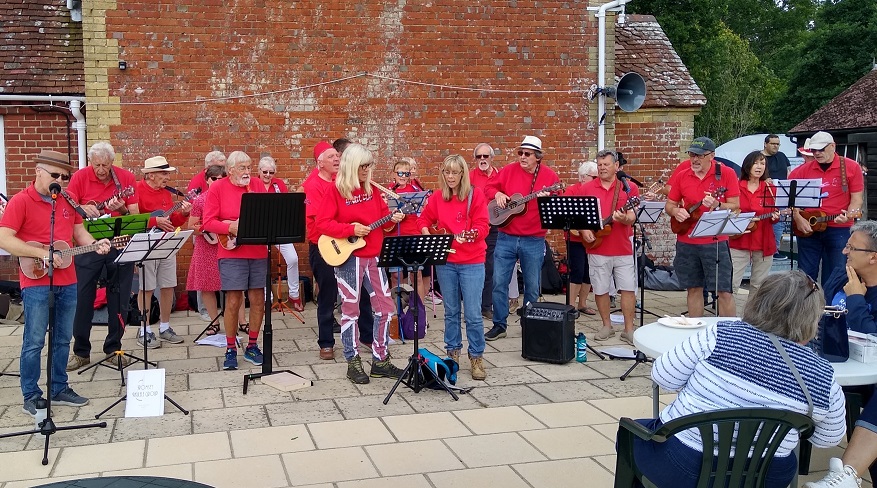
(347, 180)
(455, 162)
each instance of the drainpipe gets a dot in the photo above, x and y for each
(79, 125)
(601, 67)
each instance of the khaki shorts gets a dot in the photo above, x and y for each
(161, 273)
(604, 268)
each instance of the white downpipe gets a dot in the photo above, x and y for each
(39, 98)
(79, 125)
(601, 67)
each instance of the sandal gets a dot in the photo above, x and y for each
(588, 311)
(211, 329)
(245, 328)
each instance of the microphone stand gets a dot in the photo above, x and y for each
(47, 427)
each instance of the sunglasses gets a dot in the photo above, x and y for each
(403, 174)
(55, 176)
(526, 154)
(482, 156)
(814, 151)
(366, 166)
(814, 287)
(268, 172)
(214, 178)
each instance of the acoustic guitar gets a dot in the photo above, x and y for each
(516, 205)
(819, 220)
(336, 250)
(632, 202)
(36, 268)
(694, 213)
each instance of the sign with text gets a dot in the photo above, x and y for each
(145, 396)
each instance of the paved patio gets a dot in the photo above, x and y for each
(530, 424)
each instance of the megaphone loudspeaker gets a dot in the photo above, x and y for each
(630, 92)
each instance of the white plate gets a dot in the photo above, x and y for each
(681, 322)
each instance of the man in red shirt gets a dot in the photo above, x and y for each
(613, 257)
(101, 183)
(522, 237)
(153, 196)
(213, 158)
(242, 268)
(844, 183)
(481, 173)
(27, 218)
(703, 179)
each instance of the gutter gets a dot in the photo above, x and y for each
(601, 64)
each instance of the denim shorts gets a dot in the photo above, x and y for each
(695, 265)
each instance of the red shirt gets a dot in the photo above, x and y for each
(687, 189)
(451, 215)
(271, 188)
(513, 179)
(315, 188)
(336, 215)
(408, 225)
(762, 237)
(617, 243)
(197, 181)
(837, 199)
(479, 179)
(575, 191)
(151, 199)
(29, 216)
(224, 203)
(85, 188)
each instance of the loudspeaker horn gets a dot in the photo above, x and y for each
(629, 93)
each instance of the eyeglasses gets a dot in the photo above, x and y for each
(850, 248)
(366, 166)
(403, 174)
(55, 176)
(483, 156)
(526, 154)
(698, 156)
(814, 287)
(268, 172)
(448, 172)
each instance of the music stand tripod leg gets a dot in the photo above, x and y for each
(639, 358)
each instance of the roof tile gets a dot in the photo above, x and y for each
(854, 108)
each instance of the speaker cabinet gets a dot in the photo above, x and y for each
(548, 333)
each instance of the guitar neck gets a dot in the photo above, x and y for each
(173, 209)
(381, 222)
(76, 251)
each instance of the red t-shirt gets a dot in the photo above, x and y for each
(762, 237)
(479, 179)
(279, 188)
(617, 243)
(409, 223)
(224, 203)
(513, 179)
(451, 215)
(151, 199)
(315, 187)
(29, 216)
(837, 199)
(687, 189)
(85, 188)
(198, 181)
(575, 190)
(336, 215)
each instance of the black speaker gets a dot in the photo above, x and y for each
(548, 332)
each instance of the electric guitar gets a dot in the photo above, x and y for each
(124, 193)
(336, 250)
(819, 220)
(167, 213)
(694, 213)
(632, 202)
(516, 205)
(756, 219)
(36, 268)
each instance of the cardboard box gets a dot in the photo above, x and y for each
(863, 347)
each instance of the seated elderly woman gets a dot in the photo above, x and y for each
(739, 364)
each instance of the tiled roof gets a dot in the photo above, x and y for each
(41, 48)
(642, 46)
(854, 108)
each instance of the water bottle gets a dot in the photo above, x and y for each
(581, 348)
(42, 407)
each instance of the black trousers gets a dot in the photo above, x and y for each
(89, 268)
(487, 291)
(324, 277)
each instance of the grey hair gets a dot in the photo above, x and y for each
(480, 145)
(102, 149)
(788, 304)
(214, 157)
(608, 152)
(869, 228)
(587, 168)
(269, 162)
(237, 157)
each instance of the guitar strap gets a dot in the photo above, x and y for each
(276, 187)
(469, 207)
(116, 181)
(535, 174)
(73, 204)
(174, 191)
(615, 197)
(843, 173)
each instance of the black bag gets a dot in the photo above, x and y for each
(552, 281)
(134, 312)
(832, 341)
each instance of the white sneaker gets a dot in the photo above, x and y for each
(206, 317)
(839, 476)
(433, 297)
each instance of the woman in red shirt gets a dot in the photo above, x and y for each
(757, 246)
(340, 216)
(461, 210)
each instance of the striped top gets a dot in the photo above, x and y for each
(735, 365)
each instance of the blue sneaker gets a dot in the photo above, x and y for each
(231, 359)
(253, 355)
(70, 398)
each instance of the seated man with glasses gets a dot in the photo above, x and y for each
(844, 184)
(703, 179)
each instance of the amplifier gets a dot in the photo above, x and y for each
(548, 332)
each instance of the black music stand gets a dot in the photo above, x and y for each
(715, 224)
(414, 252)
(109, 228)
(580, 213)
(793, 194)
(647, 213)
(267, 219)
(148, 246)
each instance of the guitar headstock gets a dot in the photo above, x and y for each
(194, 192)
(469, 235)
(125, 193)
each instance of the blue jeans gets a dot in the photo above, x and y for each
(36, 322)
(531, 252)
(466, 280)
(868, 420)
(826, 247)
(778, 233)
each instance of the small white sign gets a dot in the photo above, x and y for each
(145, 396)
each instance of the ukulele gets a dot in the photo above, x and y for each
(819, 220)
(465, 236)
(694, 213)
(754, 222)
(124, 193)
(335, 251)
(655, 186)
(167, 213)
(227, 241)
(36, 268)
(515, 206)
(632, 202)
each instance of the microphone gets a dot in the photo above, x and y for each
(54, 189)
(623, 181)
(622, 174)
